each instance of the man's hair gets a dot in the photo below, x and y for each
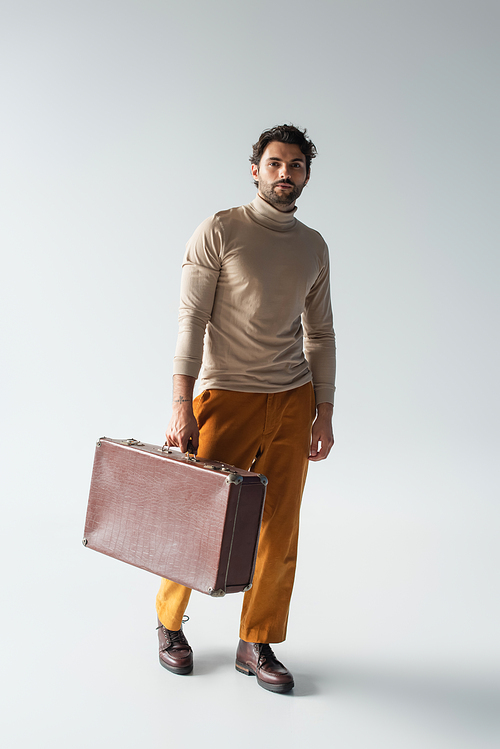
(284, 134)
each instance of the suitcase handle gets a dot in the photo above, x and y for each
(190, 452)
(190, 448)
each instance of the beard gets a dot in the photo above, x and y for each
(280, 197)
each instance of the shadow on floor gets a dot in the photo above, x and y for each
(469, 701)
(212, 661)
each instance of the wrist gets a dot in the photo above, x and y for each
(181, 403)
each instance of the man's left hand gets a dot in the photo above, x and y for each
(322, 433)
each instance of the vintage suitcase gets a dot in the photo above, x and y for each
(191, 520)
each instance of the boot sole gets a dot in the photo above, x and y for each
(179, 670)
(242, 668)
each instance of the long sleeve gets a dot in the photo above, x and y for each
(319, 337)
(200, 273)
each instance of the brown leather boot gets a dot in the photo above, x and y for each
(175, 654)
(257, 659)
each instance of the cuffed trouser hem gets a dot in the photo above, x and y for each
(260, 635)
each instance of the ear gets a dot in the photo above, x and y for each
(255, 172)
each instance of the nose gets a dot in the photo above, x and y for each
(284, 171)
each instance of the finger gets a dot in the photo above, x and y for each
(315, 455)
(172, 439)
(195, 439)
(314, 447)
(324, 451)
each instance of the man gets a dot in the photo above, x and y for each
(256, 281)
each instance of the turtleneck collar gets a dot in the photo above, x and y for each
(264, 213)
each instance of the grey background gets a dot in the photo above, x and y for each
(124, 125)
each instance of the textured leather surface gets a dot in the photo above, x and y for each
(174, 517)
(256, 658)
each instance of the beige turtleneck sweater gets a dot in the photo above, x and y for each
(255, 304)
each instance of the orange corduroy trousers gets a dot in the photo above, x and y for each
(269, 434)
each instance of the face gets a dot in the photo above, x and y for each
(281, 174)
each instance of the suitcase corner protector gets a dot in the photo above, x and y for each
(234, 478)
(217, 593)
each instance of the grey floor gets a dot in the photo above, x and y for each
(373, 668)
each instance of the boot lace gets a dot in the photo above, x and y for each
(266, 654)
(175, 636)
